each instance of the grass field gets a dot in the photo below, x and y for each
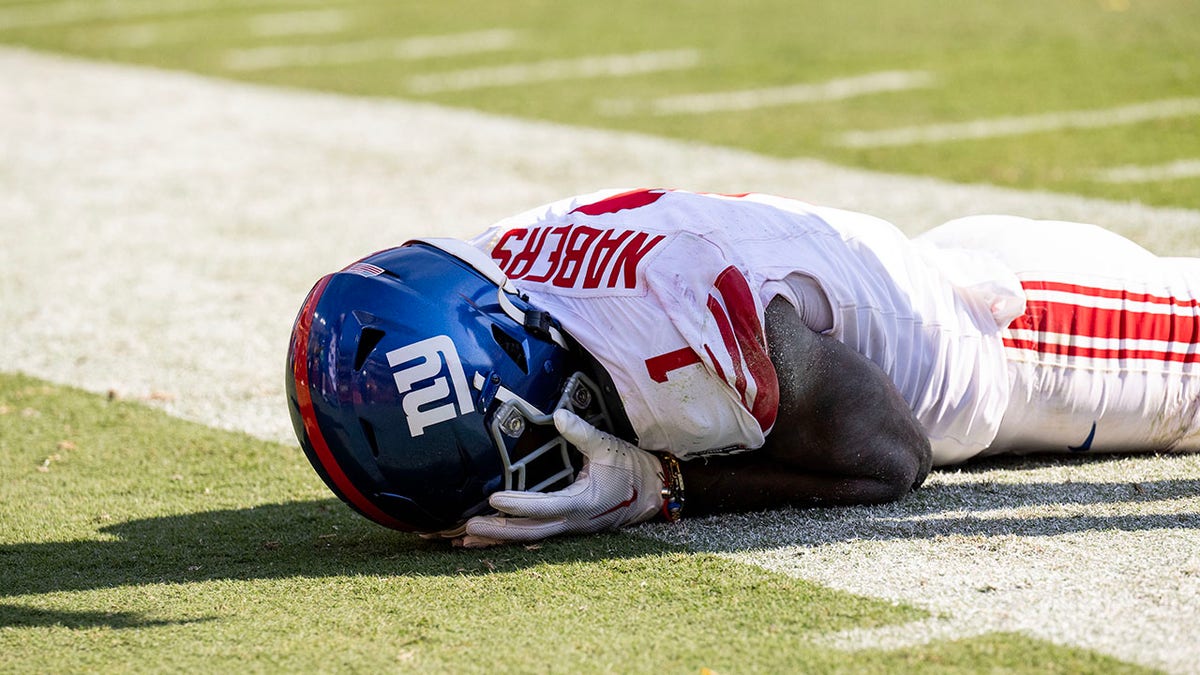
(160, 230)
(1096, 97)
(137, 542)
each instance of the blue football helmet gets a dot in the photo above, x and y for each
(420, 381)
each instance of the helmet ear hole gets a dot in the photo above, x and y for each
(512, 347)
(367, 341)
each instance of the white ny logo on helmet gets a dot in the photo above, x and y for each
(442, 396)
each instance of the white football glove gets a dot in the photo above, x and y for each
(619, 484)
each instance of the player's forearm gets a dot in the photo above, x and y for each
(739, 483)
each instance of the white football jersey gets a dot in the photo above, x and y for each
(667, 289)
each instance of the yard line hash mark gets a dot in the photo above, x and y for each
(1132, 173)
(615, 65)
(1021, 125)
(752, 99)
(406, 49)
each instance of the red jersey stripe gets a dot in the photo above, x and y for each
(1068, 319)
(634, 199)
(1136, 326)
(1111, 293)
(751, 341)
(731, 345)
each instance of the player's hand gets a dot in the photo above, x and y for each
(619, 484)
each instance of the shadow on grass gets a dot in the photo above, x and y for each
(16, 616)
(316, 538)
(323, 538)
(298, 539)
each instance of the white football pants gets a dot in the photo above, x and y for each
(1106, 357)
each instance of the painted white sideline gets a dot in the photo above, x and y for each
(361, 51)
(752, 99)
(1021, 125)
(613, 65)
(1177, 170)
(160, 231)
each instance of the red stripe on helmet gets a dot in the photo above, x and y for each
(312, 429)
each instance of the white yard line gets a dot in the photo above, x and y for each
(161, 229)
(1104, 556)
(71, 11)
(76, 11)
(753, 99)
(1178, 170)
(614, 65)
(307, 22)
(193, 30)
(1016, 126)
(406, 49)
(136, 35)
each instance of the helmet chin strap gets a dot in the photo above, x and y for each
(480, 262)
(524, 318)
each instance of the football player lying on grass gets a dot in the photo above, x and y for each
(616, 357)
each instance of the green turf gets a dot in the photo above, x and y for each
(132, 541)
(989, 59)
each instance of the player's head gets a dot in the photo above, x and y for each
(420, 381)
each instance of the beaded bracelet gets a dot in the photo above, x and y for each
(672, 491)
